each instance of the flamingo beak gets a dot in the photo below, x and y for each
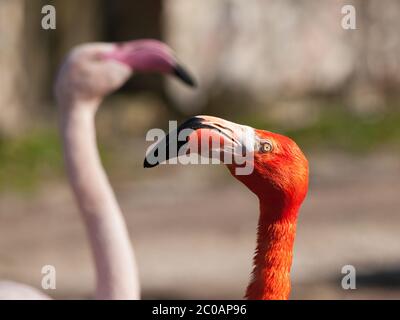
(149, 56)
(181, 73)
(207, 136)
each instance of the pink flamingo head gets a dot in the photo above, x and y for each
(94, 70)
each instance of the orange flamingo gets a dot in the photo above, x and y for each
(279, 179)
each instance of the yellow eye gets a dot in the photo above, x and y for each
(265, 146)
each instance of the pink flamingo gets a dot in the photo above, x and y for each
(90, 72)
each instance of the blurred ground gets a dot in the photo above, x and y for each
(193, 229)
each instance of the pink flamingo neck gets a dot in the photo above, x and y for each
(274, 253)
(115, 263)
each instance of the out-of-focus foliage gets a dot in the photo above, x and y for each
(337, 129)
(27, 159)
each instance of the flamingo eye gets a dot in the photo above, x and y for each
(265, 146)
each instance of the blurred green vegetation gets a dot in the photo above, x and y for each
(341, 131)
(28, 160)
(337, 129)
(348, 132)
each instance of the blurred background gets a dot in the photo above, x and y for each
(286, 66)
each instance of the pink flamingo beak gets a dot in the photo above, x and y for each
(151, 56)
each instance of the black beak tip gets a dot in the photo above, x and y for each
(181, 73)
(147, 164)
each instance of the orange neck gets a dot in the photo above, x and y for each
(273, 259)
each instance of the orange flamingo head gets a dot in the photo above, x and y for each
(269, 164)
